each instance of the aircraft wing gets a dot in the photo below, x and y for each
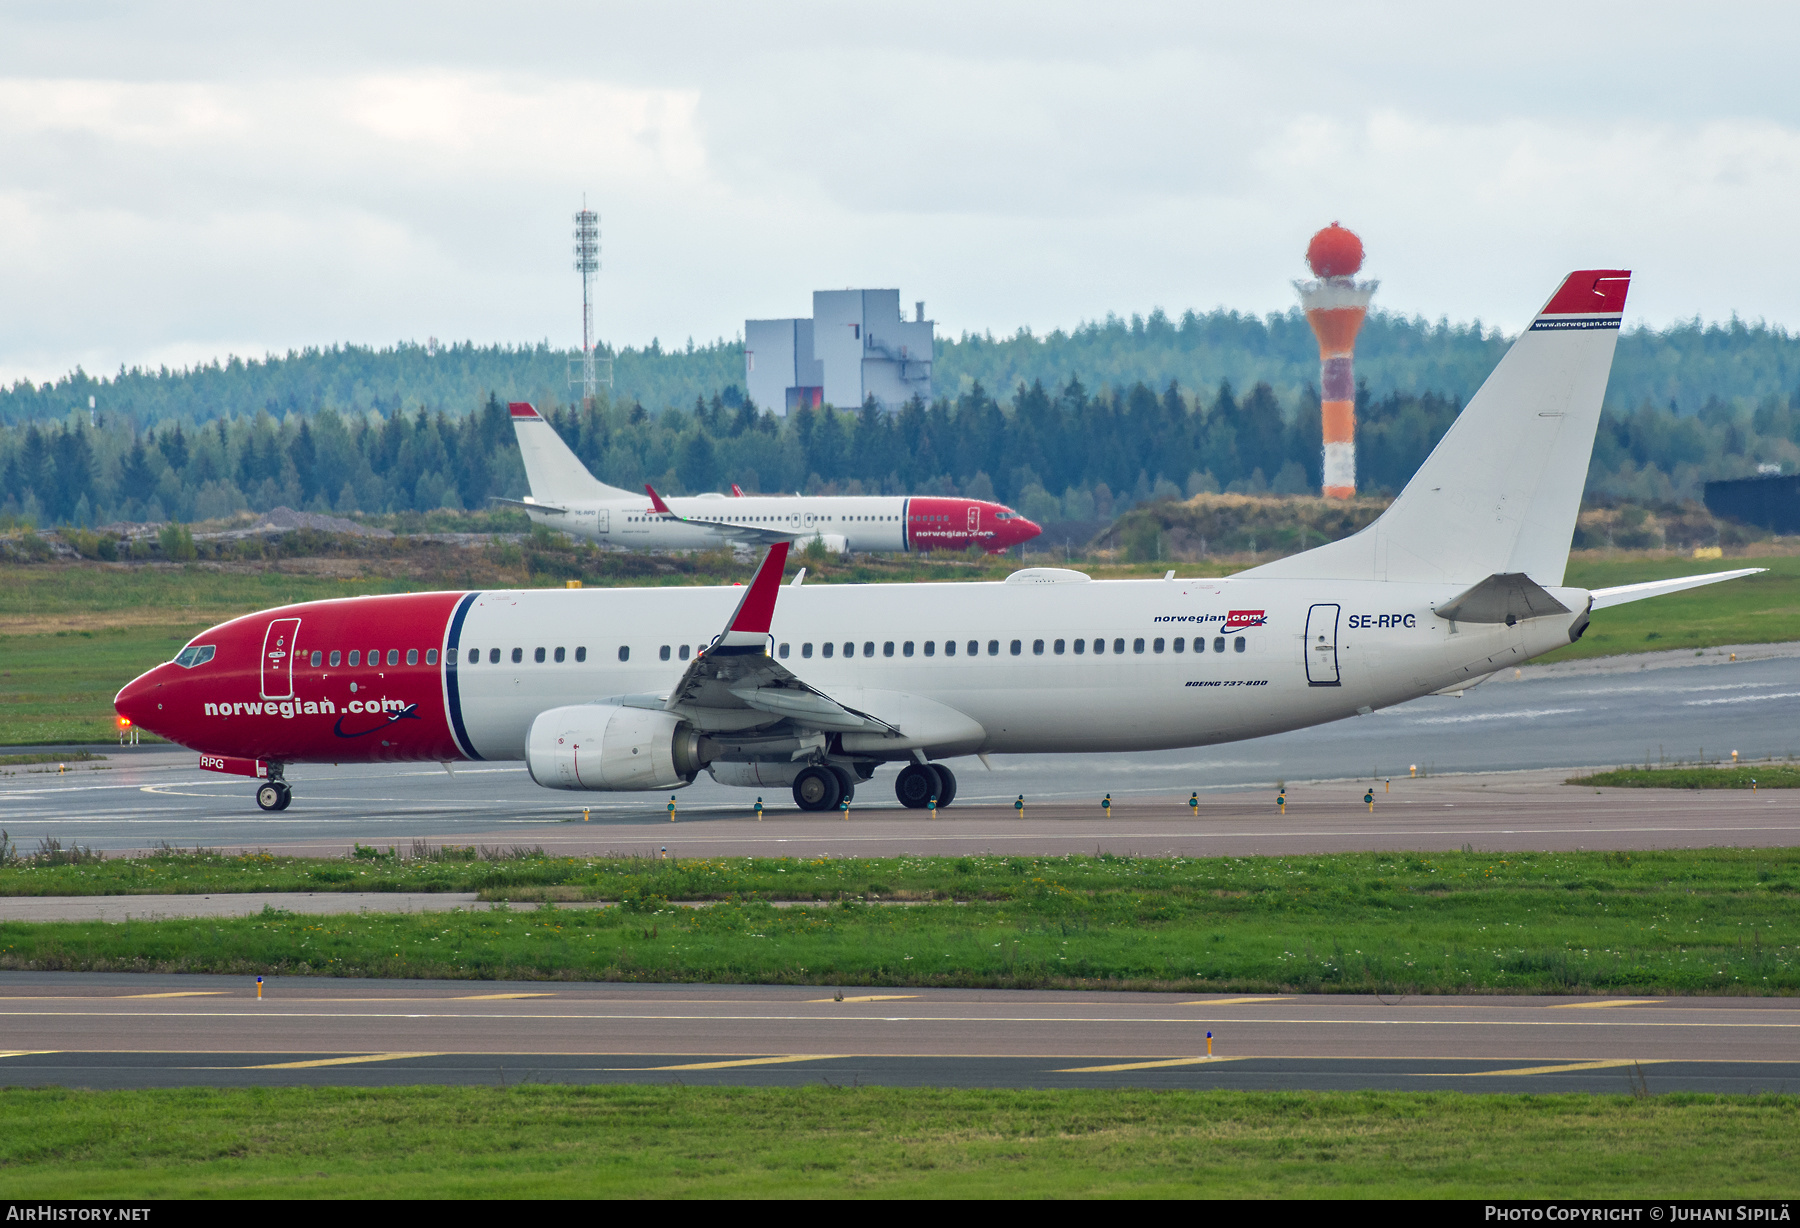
(528, 505)
(734, 680)
(747, 534)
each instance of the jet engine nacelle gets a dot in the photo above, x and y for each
(605, 747)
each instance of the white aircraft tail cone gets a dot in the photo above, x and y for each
(1500, 492)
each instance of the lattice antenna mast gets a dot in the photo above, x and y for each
(587, 263)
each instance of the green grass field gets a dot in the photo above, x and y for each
(1750, 776)
(822, 1142)
(1719, 921)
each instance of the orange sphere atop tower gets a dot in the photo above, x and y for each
(1334, 252)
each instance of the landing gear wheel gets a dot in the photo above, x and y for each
(274, 795)
(916, 785)
(946, 785)
(818, 788)
(848, 783)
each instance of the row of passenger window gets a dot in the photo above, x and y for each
(888, 648)
(1016, 648)
(336, 657)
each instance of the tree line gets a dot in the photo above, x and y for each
(1056, 452)
(1680, 367)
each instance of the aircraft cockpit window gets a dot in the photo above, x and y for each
(195, 654)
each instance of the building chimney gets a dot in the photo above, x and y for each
(919, 312)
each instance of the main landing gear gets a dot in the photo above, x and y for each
(918, 783)
(823, 788)
(274, 793)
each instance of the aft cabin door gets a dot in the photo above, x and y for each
(1321, 645)
(278, 659)
(603, 521)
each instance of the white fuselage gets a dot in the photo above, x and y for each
(866, 523)
(1294, 653)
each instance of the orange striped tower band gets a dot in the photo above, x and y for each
(1336, 307)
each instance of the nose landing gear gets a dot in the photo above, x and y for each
(274, 793)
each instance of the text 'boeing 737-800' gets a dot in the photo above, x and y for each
(816, 687)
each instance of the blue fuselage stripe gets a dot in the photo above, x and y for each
(453, 658)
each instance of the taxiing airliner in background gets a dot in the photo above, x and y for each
(565, 496)
(816, 687)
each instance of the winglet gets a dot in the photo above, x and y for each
(656, 501)
(748, 629)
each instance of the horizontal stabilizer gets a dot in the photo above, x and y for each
(1604, 597)
(529, 505)
(1504, 598)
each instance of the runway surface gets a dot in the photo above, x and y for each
(1552, 719)
(113, 1031)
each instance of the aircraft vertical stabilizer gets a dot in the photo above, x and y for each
(556, 474)
(1500, 492)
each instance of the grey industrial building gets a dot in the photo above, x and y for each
(857, 345)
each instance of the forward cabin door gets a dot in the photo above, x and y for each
(974, 521)
(278, 658)
(1321, 645)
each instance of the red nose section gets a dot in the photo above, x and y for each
(137, 701)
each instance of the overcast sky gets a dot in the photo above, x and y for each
(184, 181)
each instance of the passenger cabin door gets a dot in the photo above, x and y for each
(1321, 645)
(278, 658)
(603, 521)
(974, 520)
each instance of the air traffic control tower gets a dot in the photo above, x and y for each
(1335, 306)
(857, 345)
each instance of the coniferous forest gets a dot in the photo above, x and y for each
(1068, 427)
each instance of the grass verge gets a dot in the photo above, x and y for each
(1720, 921)
(1761, 776)
(703, 1142)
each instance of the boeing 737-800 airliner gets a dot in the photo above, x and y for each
(566, 497)
(816, 687)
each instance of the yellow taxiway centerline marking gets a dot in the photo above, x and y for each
(191, 993)
(26, 1052)
(1567, 1067)
(493, 997)
(745, 1061)
(338, 1061)
(1228, 1001)
(1588, 1006)
(867, 997)
(1174, 1061)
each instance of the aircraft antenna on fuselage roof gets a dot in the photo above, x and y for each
(1500, 492)
(556, 474)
